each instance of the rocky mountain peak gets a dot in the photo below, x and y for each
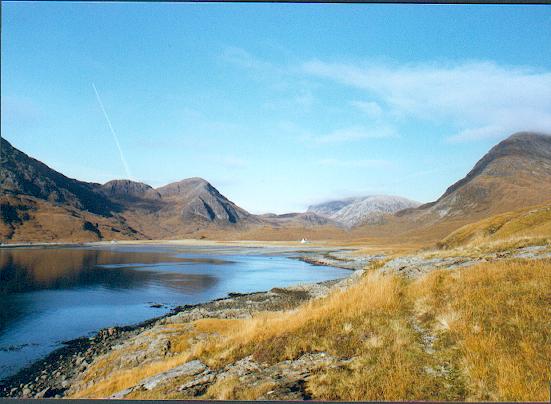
(185, 187)
(127, 188)
(358, 210)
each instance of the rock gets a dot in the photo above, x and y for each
(121, 394)
(203, 379)
(187, 369)
(47, 392)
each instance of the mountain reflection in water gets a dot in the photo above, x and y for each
(23, 270)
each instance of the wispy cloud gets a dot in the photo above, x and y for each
(482, 99)
(370, 108)
(356, 133)
(289, 88)
(479, 99)
(483, 132)
(242, 58)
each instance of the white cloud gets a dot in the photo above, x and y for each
(481, 99)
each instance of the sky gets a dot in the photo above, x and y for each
(279, 106)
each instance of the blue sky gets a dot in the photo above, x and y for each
(277, 105)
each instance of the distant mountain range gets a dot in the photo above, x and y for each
(38, 203)
(41, 204)
(362, 210)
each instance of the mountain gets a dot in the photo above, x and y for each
(195, 198)
(38, 203)
(128, 190)
(514, 174)
(306, 219)
(361, 210)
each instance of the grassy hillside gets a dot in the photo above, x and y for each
(28, 219)
(526, 226)
(478, 333)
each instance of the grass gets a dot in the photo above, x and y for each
(509, 230)
(478, 333)
(496, 317)
(231, 388)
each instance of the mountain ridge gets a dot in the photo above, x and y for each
(355, 211)
(513, 174)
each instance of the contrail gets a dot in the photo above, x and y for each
(113, 133)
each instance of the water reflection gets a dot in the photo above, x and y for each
(23, 270)
(34, 270)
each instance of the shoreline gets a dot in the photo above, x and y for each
(52, 375)
(183, 242)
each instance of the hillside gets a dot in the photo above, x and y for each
(23, 175)
(525, 226)
(38, 203)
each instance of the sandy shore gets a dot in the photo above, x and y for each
(182, 242)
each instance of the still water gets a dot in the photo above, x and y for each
(50, 295)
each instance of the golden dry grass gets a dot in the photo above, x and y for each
(231, 388)
(497, 316)
(512, 229)
(479, 333)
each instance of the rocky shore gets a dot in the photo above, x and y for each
(54, 375)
